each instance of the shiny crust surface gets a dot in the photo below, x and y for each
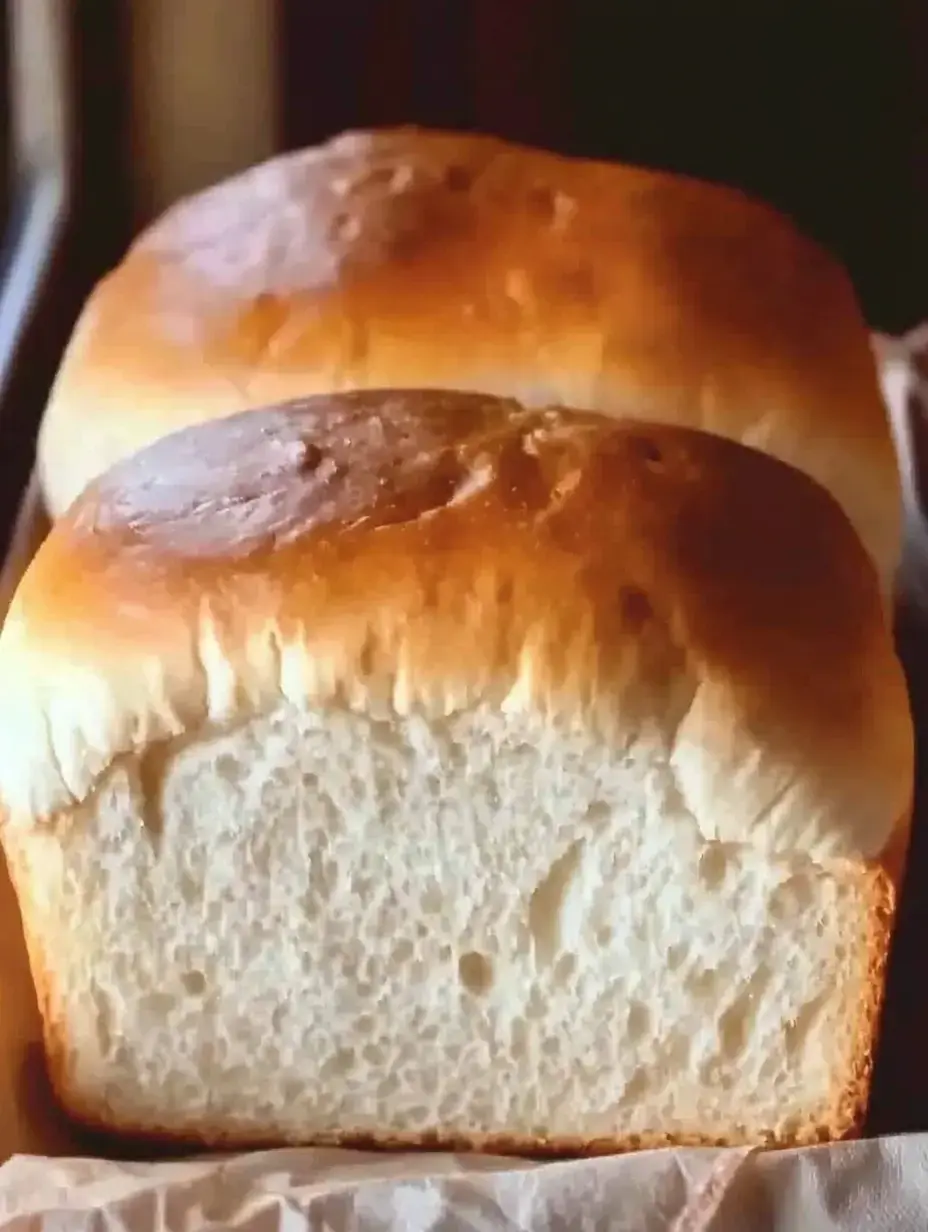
(409, 550)
(404, 258)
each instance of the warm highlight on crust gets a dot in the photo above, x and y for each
(407, 258)
(752, 564)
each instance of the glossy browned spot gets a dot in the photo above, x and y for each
(542, 202)
(575, 282)
(458, 178)
(647, 450)
(636, 606)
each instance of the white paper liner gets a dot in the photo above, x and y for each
(874, 1186)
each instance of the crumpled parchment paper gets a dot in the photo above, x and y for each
(855, 1187)
(47, 1185)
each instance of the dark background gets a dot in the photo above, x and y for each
(5, 122)
(818, 107)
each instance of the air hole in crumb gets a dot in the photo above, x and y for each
(733, 1029)
(432, 900)
(675, 957)
(800, 1029)
(565, 968)
(449, 1108)
(194, 983)
(710, 1073)
(475, 972)
(677, 1054)
(389, 1086)
(792, 896)
(639, 1021)
(547, 903)
(156, 1007)
(537, 1006)
(104, 1023)
(519, 1043)
(341, 1062)
(229, 768)
(713, 865)
(402, 951)
(637, 1087)
(190, 891)
(702, 983)
(597, 813)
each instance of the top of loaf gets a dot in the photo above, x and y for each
(397, 552)
(405, 258)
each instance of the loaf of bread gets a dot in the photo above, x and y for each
(420, 768)
(405, 258)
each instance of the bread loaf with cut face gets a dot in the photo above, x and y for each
(413, 258)
(421, 768)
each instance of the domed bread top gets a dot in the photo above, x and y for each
(405, 258)
(415, 552)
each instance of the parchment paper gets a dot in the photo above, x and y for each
(48, 1185)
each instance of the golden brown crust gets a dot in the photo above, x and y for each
(403, 258)
(585, 557)
(894, 856)
(852, 1097)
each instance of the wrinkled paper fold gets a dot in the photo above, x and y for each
(47, 1186)
(854, 1187)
